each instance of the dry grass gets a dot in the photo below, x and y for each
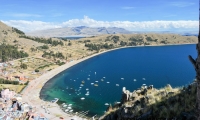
(16, 88)
(163, 105)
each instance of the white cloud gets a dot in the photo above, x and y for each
(158, 25)
(27, 26)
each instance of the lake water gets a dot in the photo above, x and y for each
(156, 66)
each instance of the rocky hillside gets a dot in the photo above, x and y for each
(78, 31)
(143, 39)
(10, 35)
(148, 103)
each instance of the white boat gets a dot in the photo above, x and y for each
(69, 107)
(117, 84)
(134, 80)
(87, 94)
(88, 78)
(70, 104)
(66, 110)
(104, 77)
(96, 81)
(80, 87)
(143, 78)
(55, 100)
(143, 84)
(71, 111)
(122, 78)
(87, 89)
(82, 98)
(106, 104)
(64, 105)
(107, 82)
(92, 83)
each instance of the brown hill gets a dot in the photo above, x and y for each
(78, 31)
(48, 59)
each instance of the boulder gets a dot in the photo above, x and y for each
(150, 87)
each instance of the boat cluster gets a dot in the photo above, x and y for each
(68, 108)
(95, 83)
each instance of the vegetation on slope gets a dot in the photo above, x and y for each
(17, 31)
(9, 52)
(52, 54)
(165, 103)
(3, 81)
(98, 47)
(44, 40)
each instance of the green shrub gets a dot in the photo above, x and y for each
(24, 66)
(26, 83)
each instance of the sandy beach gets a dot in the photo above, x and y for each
(31, 93)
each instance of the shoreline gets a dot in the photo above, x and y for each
(31, 94)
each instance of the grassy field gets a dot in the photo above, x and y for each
(16, 88)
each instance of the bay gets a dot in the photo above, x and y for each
(111, 71)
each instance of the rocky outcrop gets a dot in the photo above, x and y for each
(150, 103)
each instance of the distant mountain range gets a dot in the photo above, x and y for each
(184, 33)
(78, 31)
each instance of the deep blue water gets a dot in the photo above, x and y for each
(158, 65)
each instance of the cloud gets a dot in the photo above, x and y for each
(28, 26)
(127, 8)
(158, 25)
(181, 4)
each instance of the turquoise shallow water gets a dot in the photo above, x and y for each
(147, 65)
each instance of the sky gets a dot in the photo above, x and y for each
(133, 15)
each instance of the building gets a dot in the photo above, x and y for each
(7, 94)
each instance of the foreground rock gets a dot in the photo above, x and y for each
(150, 103)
